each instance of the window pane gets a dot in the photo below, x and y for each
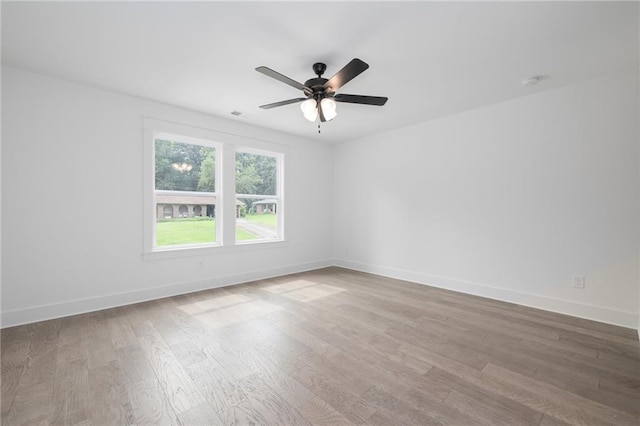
(257, 219)
(256, 174)
(184, 167)
(184, 219)
(185, 198)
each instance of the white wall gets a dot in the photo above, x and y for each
(72, 198)
(508, 201)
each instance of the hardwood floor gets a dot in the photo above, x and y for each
(328, 347)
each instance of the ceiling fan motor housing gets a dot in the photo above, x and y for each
(317, 84)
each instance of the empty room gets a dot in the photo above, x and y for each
(320, 213)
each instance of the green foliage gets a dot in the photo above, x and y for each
(247, 179)
(188, 167)
(169, 153)
(207, 179)
(255, 174)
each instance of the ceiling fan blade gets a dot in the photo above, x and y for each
(361, 99)
(321, 113)
(346, 74)
(282, 78)
(282, 103)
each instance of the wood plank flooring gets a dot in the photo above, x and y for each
(327, 347)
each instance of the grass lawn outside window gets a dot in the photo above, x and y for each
(199, 230)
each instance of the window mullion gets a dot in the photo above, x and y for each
(227, 194)
(280, 195)
(149, 192)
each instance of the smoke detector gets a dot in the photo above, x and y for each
(532, 81)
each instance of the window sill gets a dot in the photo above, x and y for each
(178, 252)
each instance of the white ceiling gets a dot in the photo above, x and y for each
(431, 59)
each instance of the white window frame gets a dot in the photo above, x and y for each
(279, 195)
(226, 145)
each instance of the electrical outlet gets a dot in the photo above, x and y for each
(578, 281)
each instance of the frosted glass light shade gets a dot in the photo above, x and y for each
(309, 109)
(328, 108)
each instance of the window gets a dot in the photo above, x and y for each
(257, 195)
(206, 190)
(185, 182)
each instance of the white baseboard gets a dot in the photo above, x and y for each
(80, 306)
(592, 312)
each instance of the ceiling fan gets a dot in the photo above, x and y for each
(320, 94)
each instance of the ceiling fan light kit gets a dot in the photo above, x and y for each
(310, 109)
(328, 106)
(320, 94)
